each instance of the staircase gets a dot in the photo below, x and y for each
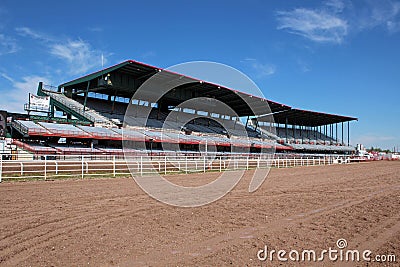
(78, 110)
(263, 132)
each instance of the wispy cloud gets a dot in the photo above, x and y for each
(384, 13)
(332, 21)
(78, 54)
(319, 25)
(335, 5)
(27, 32)
(8, 45)
(261, 70)
(16, 96)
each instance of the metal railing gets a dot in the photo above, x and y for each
(78, 107)
(52, 167)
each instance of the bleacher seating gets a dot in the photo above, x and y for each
(130, 134)
(36, 148)
(65, 130)
(101, 133)
(74, 149)
(30, 128)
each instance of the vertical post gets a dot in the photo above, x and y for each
(1, 167)
(186, 166)
(83, 170)
(336, 133)
(342, 135)
(348, 133)
(220, 164)
(114, 171)
(204, 160)
(45, 167)
(141, 165)
(165, 165)
(86, 96)
(286, 129)
(294, 131)
(320, 132)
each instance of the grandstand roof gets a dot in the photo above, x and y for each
(306, 118)
(239, 101)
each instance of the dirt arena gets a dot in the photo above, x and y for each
(103, 222)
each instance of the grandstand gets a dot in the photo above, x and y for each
(93, 111)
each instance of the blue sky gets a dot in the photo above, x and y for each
(331, 56)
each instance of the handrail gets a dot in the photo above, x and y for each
(78, 107)
(19, 126)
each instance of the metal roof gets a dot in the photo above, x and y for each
(306, 118)
(244, 104)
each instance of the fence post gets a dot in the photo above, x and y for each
(114, 165)
(45, 167)
(55, 162)
(141, 165)
(165, 165)
(204, 160)
(1, 167)
(220, 164)
(186, 166)
(247, 162)
(82, 165)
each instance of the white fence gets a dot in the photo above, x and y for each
(46, 167)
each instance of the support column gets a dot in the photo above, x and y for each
(294, 132)
(286, 129)
(342, 135)
(86, 96)
(348, 133)
(336, 133)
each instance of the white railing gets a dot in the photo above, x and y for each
(48, 167)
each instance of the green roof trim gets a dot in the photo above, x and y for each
(95, 74)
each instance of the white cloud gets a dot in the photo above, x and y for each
(8, 45)
(264, 69)
(261, 69)
(335, 5)
(78, 54)
(27, 32)
(322, 26)
(16, 96)
(332, 21)
(384, 13)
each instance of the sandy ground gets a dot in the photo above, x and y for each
(105, 222)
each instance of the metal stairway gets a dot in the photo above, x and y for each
(78, 110)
